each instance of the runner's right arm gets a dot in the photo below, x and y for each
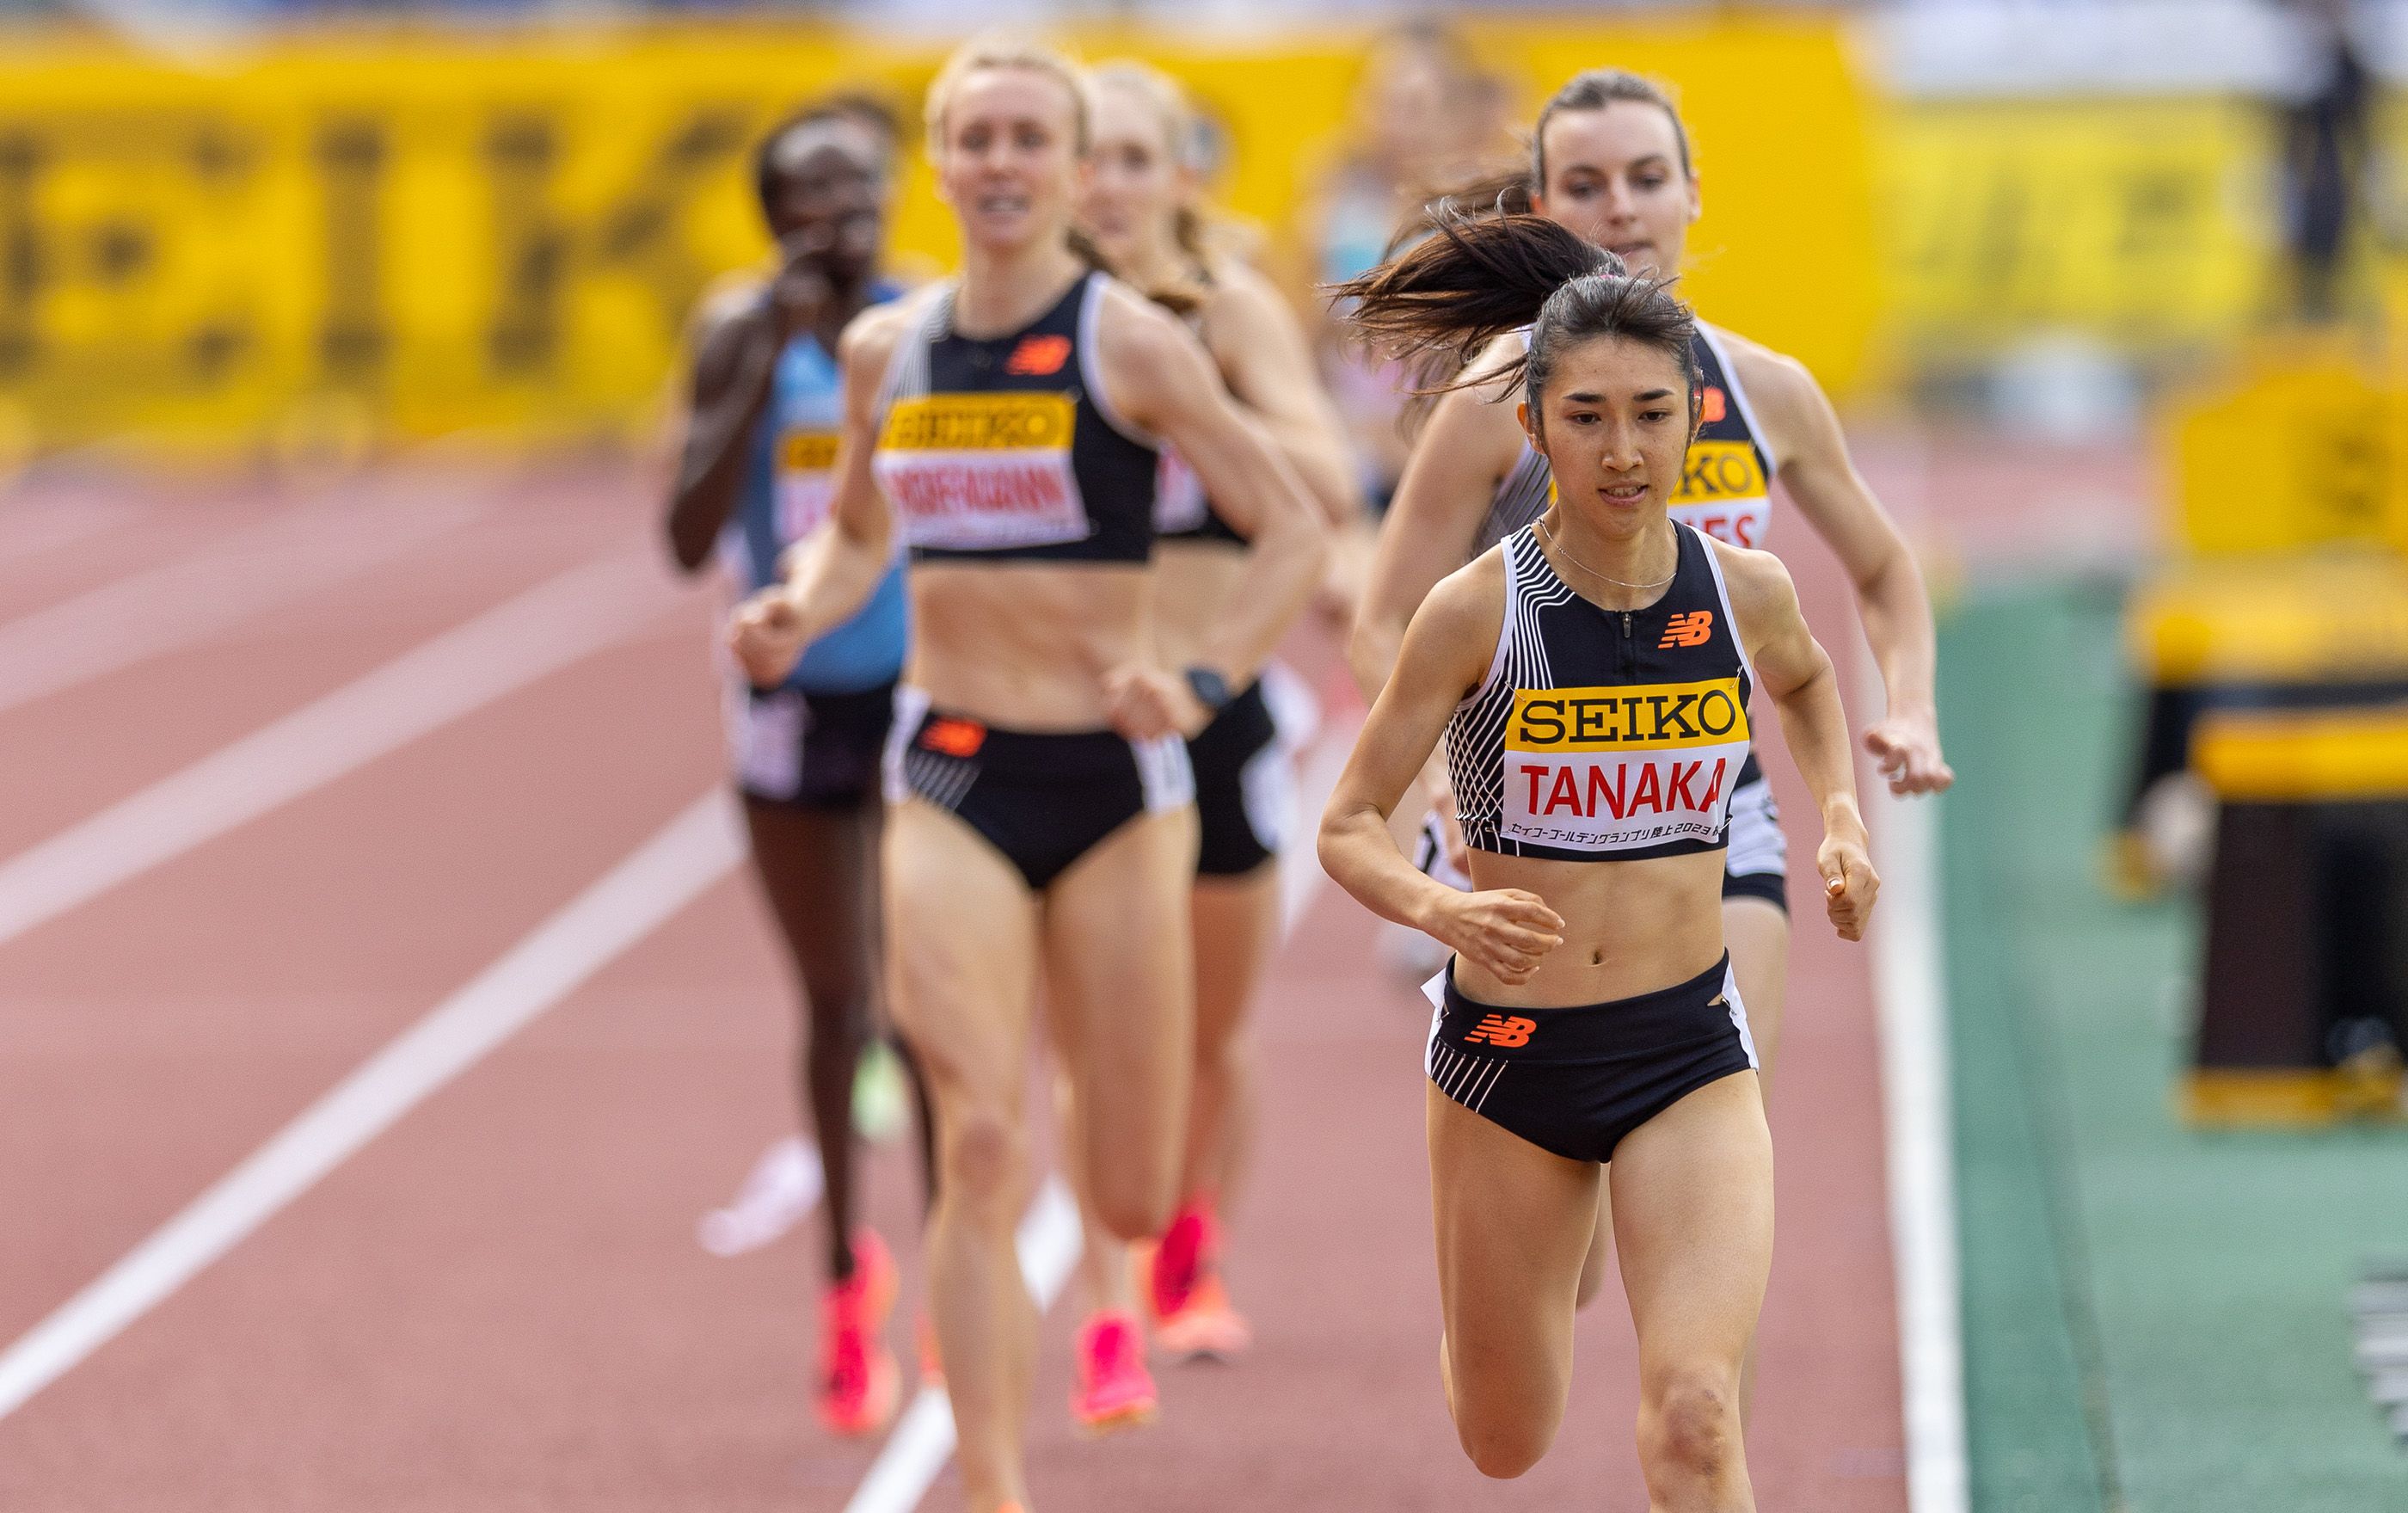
(1447, 650)
(1461, 455)
(735, 357)
(831, 572)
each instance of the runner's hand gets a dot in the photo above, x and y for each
(795, 298)
(1503, 932)
(1147, 703)
(1908, 750)
(1849, 885)
(766, 633)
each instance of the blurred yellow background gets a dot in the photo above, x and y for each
(384, 236)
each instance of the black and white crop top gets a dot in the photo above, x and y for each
(1006, 449)
(1604, 735)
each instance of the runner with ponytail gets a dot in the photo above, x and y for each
(1590, 673)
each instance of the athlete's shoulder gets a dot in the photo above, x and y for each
(1477, 404)
(1126, 317)
(1758, 582)
(870, 338)
(1468, 601)
(1243, 292)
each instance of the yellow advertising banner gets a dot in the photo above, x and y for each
(414, 236)
(2146, 222)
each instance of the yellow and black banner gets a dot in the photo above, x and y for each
(408, 236)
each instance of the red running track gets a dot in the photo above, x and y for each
(498, 1303)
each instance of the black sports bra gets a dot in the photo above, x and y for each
(1003, 450)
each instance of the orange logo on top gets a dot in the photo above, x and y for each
(1691, 629)
(1037, 356)
(952, 737)
(1501, 1029)
(1713, 406)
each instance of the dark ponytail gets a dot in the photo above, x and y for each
(1438, 304)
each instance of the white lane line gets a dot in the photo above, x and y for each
(922, 1440)
(1049, 1237)
(503, 650)
(177, 603)
(655, 881)
(1910, 984)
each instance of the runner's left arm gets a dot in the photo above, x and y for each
(1794, 670)
(1891, 597)
(1161, 379)
(1260, 347)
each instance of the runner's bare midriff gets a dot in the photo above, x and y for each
(1632, 927)
(1195, 583)
(1025, 645)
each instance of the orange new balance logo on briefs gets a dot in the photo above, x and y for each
(1499, 1030)
(954, 737)
(1690, 629)
(1039, 355)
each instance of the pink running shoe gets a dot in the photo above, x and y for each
(1170, 1265)
(859, 1383)
(1113, 1389)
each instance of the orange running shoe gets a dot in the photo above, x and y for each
(860, 1384)
(1113, 1389)
(1206, 1329)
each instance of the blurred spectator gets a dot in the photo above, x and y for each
(1426, 117)
(2325, 143)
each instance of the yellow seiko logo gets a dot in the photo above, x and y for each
(1720, 471)
(1658, 716)
(981, 423)
(807, 452)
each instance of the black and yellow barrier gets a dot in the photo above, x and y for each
(2301, 1004)
(2292, 631)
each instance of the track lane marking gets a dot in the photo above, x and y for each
(1911, 1003)
(698, 848)
(177, 603)
(1049, 1238)
(542, 630)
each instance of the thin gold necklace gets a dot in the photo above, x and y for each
(1555, 542)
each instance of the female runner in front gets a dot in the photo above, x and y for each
(1610, 159)
(1144, 209)
(1007, 426)
(1591, 675)
(755, 477)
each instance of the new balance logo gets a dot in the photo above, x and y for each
(1502, 1031)
(1037, 356)
(1690, 629)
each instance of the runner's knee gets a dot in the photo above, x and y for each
(1690, 1423)
(1502, 1445)
(985, 1160)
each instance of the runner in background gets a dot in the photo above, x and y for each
(756, 476)
(1611, 160)
(1144, 208)
(1005, 425)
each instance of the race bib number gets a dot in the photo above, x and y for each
(982, 471)
(1724, 493)
(806, 475)
(1621, 768)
